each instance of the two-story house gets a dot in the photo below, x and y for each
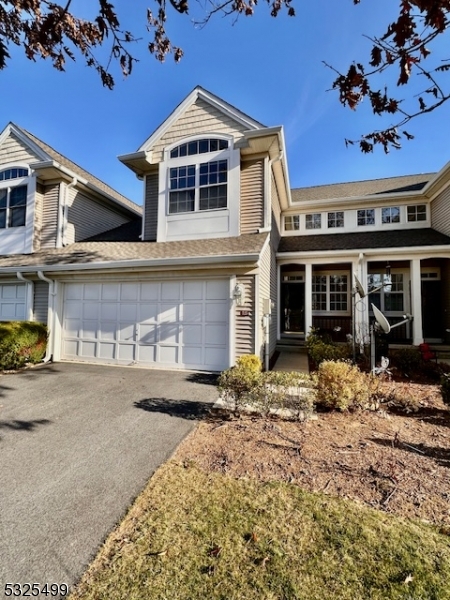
(223, 242)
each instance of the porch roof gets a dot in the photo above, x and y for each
(400, 238)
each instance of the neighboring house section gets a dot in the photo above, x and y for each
(227, 259)
(46, 201)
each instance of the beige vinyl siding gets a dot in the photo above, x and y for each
(38, 210)
(40, 302)
(87, 217)
(440, 214)
(50, 216)
(13, 151)
(252, 196)
(201, 117)
(151, 208)
(245, 323)
(276, 212)
(268, 289)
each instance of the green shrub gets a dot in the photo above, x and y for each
(250, 362)
(406, 361)
(284, 390)
(21, 342)
(322, 349)
(341, 386)
(239, 381)
(445, 388)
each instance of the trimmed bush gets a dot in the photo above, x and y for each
(239, 381)
(340, 385)
(320, 349)
(406, 361)
(21, 342)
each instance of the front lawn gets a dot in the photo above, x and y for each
(194, 534)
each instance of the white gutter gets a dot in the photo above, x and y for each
(30, 294)
(366, 251)
(137, 263)
(50, 315)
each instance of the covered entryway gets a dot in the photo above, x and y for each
(182, 324)
(12, 301)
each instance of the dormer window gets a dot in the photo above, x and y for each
(199, 185)
(13, 198)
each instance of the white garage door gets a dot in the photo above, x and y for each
(176, 324)
(12, 302)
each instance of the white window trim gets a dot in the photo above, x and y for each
(334, 313)
(231, 154)
(28, 230)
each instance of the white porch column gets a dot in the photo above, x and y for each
(416, 301)
(361, 305)
(308, 298)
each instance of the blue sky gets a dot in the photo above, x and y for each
(269, 68)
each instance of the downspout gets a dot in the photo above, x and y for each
(51, 315)
(62, 217)
(30, 294)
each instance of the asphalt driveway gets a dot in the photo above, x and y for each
(77, 444)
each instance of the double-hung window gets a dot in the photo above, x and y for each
(198, 176)
(330, 293)
(13, 198)
(391, 296)
(366, 216)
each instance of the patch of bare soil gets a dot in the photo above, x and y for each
(398, 463)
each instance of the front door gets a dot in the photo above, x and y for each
(293, 307)
(432, 310)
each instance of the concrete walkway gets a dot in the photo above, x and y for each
(292, 361)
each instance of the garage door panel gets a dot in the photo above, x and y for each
(192, 334)
(147, 334)
(12, 302)
(215, 334)
(89, 329)
(217, 290)
(168, 355)
(192, 291)
(169, 333)
(169, 313)
(215, 312)
(192, 313)
(92, 291)
(170, 291)
(150, 291)
(129, 291)
(146, 354)
(172, 323)
(192, 355)
(106, 351)
(126, 332)
(148, 312)
(110, 291)
(128, 312)
(91, 310)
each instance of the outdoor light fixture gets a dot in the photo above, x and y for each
(239, 294)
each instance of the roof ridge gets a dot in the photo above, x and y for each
(105, 187)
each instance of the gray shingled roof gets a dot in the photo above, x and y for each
(101, 185)
(406, 183)
(99, 252)
(362, 240)
(128, 232)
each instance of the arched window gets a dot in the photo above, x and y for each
(198, 175)
(13, 198)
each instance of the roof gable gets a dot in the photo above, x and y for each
(207, 102)
(15, 146)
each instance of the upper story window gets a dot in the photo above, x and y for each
(335, 219)
(292, 223)
(417, 212)
(366, 216)
(313, 221)
(196, 184)
(390, 215)
(14, 173)
(13, 198)
(199, 147)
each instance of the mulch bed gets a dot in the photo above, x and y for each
(395, 462)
